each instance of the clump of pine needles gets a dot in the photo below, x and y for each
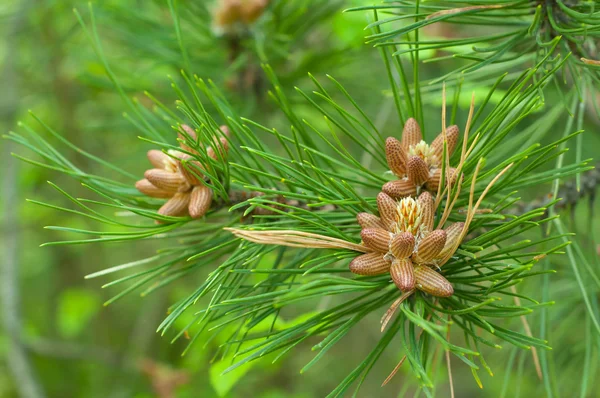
(316, 176)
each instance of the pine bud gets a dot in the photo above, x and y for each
(399, 189)
(366, 220)
(172, 182)
(370, 264)
(431, 246)
(417, 170)
(176, 206)
(411, 133)
(396, 156)
(402, 245)
(402, 272)
(200, 200)
(438, 144)
(432, 282)
(376, 239)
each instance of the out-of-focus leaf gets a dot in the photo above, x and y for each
(76, 307)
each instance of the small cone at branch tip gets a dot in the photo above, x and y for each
(387, 209)
(438, 144)
(402, 245)
(432, 282)
(228, 12)
(231, 12)
(376, 239)
(431, 246)
(402, 272)
(189, 168)
(367, 220)
(427, 207)
(411, 134)
(146, 187)
(399, 189)
(369, 264)
(200, 200)
(172, 182)
(253, 9)
(453, 234)
(158, 158)
(417, 170)
(396, 156)
(176, 206)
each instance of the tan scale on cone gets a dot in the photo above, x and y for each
(370, 264)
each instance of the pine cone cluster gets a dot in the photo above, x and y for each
(406, 245)
(177, 176)
(416, 163)
(232, 13)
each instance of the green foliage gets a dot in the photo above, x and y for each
(321, 162)
(76, 308)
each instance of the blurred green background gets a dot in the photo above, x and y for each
(75, 346)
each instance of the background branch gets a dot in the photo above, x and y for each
(17, 358)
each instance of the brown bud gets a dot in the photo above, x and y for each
(402, 272)
(228, 12)
(376, 239)
(225, 130)
(200, 200)
(369, 264)
(158, 158)
(402, 245)
(367, 220)
(222, 149)
(191, 170)
(396, 156)
(399, 189)
(253, 9)
(190, 132)
(426, 204)
(172, 182)
(434, 181)
(431, 245)
(417, 170)
(176, 206)
(411, 134)
(387, 209)
(146, 187)
(432, 282)
(453, 237)
(191, 135)
(438, 144)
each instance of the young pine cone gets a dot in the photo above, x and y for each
(171, 179)
(230, 13)
(405, 244)
(416, 163)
